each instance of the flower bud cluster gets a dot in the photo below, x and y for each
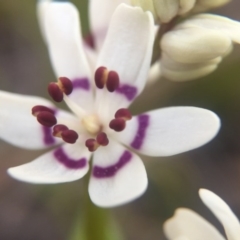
(195, 47)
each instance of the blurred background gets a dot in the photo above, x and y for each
(59, 212)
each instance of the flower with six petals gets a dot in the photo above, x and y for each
(101, 123)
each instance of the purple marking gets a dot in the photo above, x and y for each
(128, 91)
(100, 172)
(82, 83)
(143, 123)
(61, 156)
(47, 136)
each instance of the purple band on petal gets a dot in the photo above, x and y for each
(143, 122)
(62, 157)
(128, 91)
(82, 83)
(48, 138)
(100, 172)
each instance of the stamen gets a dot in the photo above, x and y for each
(63, 132)
(121, 116)
(109, 78)
(117, 124)
(101, 75)
(69, 136)
(47, 119)
(112, 81)
(123, 113)
(91, 144)
(39, 108)
(58, 129)
(66, 85)
(102, 139)
(56, 90)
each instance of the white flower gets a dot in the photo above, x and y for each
(194, 48)
(188, 225)
(100, 118)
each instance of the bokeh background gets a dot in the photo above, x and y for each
(60, 212)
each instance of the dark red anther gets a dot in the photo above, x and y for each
(112, 81)
(102, 139)
(69, 136)
(91, 144)
(117, 124)
(47, 119)
(123, 113)
(66, 85)
(55, 92)
(58, 129)
(39, 108)
(101, 77)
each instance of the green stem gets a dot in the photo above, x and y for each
(94, 223)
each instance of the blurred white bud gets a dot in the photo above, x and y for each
(165, 10)
(195, 47)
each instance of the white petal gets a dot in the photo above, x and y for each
(223, 212)
(118, 176)
(128, 51)
(18, 126)
(188, 225)
(100, 13)
(169, 131)
(213, 22)
(63, 35)
(64, 164)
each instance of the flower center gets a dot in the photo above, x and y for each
(91, 124)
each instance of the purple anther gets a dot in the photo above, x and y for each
(55, 92)
(91, 144)
(112, 81)
(102, 139)
(39, 108)
(66, 85)
(123, 113)
(69, 136)
(47, 119)
(58, 129)
(101, 77)
(117, 124)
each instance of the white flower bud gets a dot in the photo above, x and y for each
(165, 10)
(195, 47)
